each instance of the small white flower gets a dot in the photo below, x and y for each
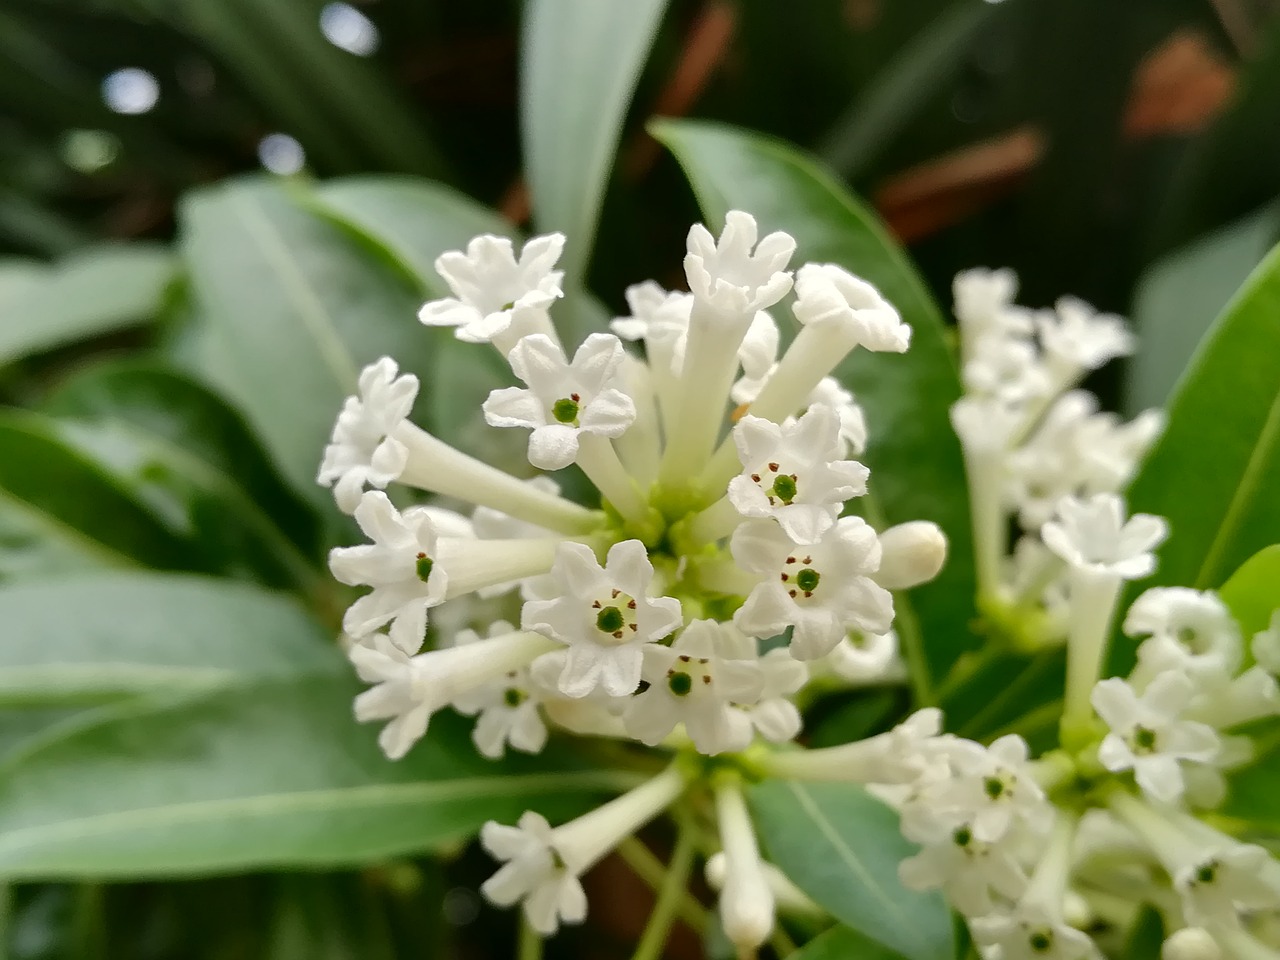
(736, 277)
(853, 422)
(494, 295)
(864, 656)
(967, 870)
(827, 294)
(1230, 880)
(400, 565)
(991, 789)
(773, 714)
(985, 424)
(563, 399)
(984, 304)
(603, 616)
(507, 707)
(659, 318)
(822, 589)
(1092, 535)
(362, 451)
(1007, 370)
(1148, 734)
(694, 681)
(1189, 630)
(791, 473)
(1031, 932)
(1076, 338)
(1266, 646)
(533, 874)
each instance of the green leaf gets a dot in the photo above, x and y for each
(1215, 470)
(917, 472)
(293, 310)
(1179, 297)
(91, 293)
(180, 448)
(842, 943)
(1253, 591)
(580, 64)
(1146, 935)
(842, 847)
(58, 509)
(105, 635)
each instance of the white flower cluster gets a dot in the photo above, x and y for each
(719, 530)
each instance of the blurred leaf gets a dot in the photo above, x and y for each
(18, 277)
(181, 449)
(58, 508)
(35, 227)
(842, 847)
(90, 293)
(1178, 298)
(272, 774)
(579, 67)
(906, 398)
(1215, 471)
(100, 636)
(1253, 591)
(1146, 935)
(842, 943)
(294, 309)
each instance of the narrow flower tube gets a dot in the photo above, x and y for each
(476, 564)
(746, 900)
(789, 898)
(600, 462)
(581, 843)
(1093, 609)
(640, 448)
(899, 756)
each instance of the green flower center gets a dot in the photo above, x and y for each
(680, 683)
(1144, 740)
(1041, 941)
(994, 787)
(424, 566)
(807, 580)
(784, 487)
(513, 697)
(566, 409)
(610, 620)
(962, 837)
(1207, 873)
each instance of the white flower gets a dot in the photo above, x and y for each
(746, 900)
(496, 297)
(991, 789)
(773, 714)
(563, 399)
(791, 472)
(911, 553)
(864, 656)
(1148, 734)
(967, 870)
(911, 752)
(1007, 370)
(1189, 630)
(1076, 338)
(1222, 884)
(401, 567)
(985, 424)
(660, 319)
(822, 590)
(694, 682)
(507, 707)
(604, 616)
(362, 451)
(1266, 646)
(1093, 536)
(853, 422)
(533, 874)
(1031, 932)
(758, 356)
(831, 296)
(733, 278)
(984, 303)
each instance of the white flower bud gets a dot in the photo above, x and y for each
(1190, 943)
(911, 554)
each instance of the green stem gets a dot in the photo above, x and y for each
(651, 870)
(782, 944)
(674, 887)
(530, 947)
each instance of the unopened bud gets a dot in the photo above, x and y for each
(1190, 943)
(746, 909)
(1076, 911)
(912, 554)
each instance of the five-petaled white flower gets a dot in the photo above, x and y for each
(829, 295)
(821, 589)
(983, 303)
(1076, 338)
(853, 422)
(563, 399)
(792, 473)
(604, 617)
(362, 451)
(1093, 536)
(737, 277)
(1032, 932)
(1227, 881)
(1189, 630)
(1148, 734)
(496, 296)
(774, 715)
(864, 656)
(533, 873)
(507, 707)
(968, 870)
(991, 789)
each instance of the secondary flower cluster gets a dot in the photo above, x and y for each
(717, 576)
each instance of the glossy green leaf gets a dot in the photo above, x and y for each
(276, 774)
(294, 309)
(1215, 471)
(90, 293)
(1146, 935)
(1179, 297)
(104, 635)
(182, 450)
(59, 510)
(580, 64)
(842, 847)
(916, 469)
(1253, 591)
(842, 943)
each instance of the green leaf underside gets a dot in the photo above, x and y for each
(842, 847)
(916, 469)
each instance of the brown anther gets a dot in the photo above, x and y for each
(706, 679)
(791, 593)
(808, 593)
(617, 591)
(791, 559)
(596, 605)
(574, 397)
(631, 605)
(634, 627)
(807, 561)
(684, 659)
(785, 577)
(422, 556)
(755, 477)
(773, 468)
(617, 634)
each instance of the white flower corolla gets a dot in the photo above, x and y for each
(507, 707)
(911, 553)
(1190, 943)
(362, 451)
(1226, 882)
(1190, 630)
(983, 303)
(1092, 535)
(910, 752)
(757, 356)
(829, 296)
(1110, 450)
(1006, 370)
(773, 715)
(821, 590)
(661, 319)
(1148, 732)
(497, 298)
(862, 657)
(490, 524)
(1266, 646)
(695, 681)
(793, 474)
(401, 565)
(408, 690)
(603, 616)
(563, 399)
(986, 425)
(991, 789)
(853, 422)
(1032, 932)
(746, 899)
(974, 876)
(736, 276)
(1076, 338)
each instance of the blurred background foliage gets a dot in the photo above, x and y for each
(1127, 152)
